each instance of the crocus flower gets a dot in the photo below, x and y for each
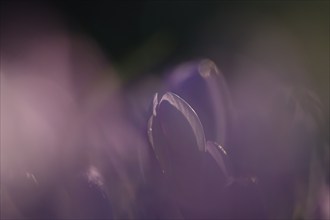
(207, 142)
(197, 170)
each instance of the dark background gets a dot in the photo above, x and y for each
(143, 37)
(122, 26)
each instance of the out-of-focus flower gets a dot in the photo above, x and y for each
(178, 139)
(267, 120)
(197, 170)
(204, 87)
(171, 112)
(56, 154)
